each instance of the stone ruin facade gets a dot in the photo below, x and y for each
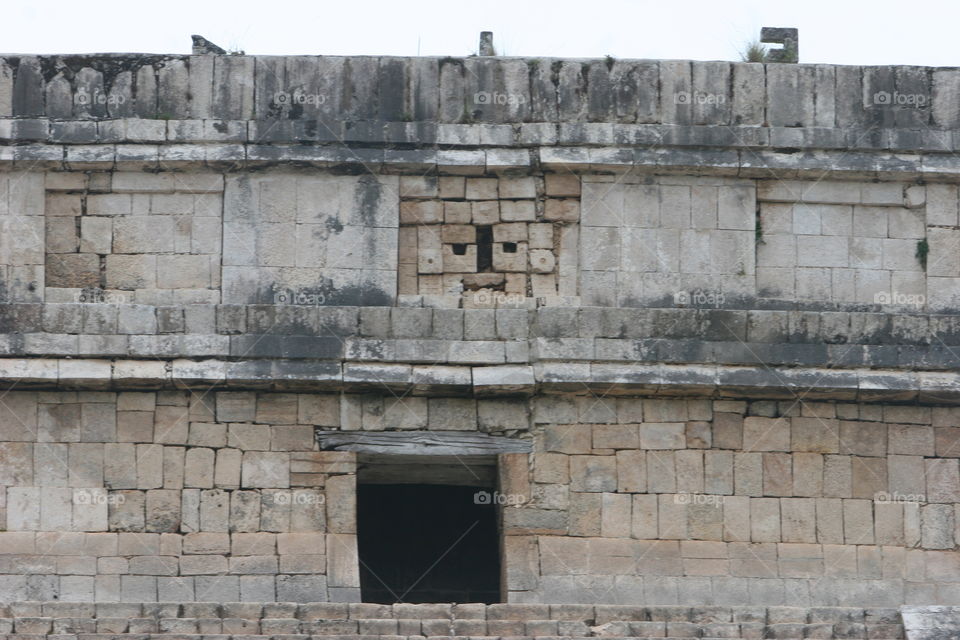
(685, 331)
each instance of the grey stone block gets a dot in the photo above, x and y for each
(231, 319)
(511, 323)
(50, 344)
(411, 322)
(100, 318)
(477, 352)
(200, 318)
(136, 319)
(62, 318)
(479, 324)
(375, 322)
(154, 345)
(103, 345)
(170, 320)
(556, 322)
(425, 351)
(717, 324)
(448, 324)
(338, 321)
(20, 317)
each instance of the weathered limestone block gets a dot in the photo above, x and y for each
(631, 471)
(644, 517)
(662, 435)
(162, 510)
(727, 431)
(214, 510)
(584, 513)
(249, 437)
(766, 434)
(245, 511)
(858, 522)
(937, 526)
(342, 560)
(615, 515)
(593, 473)
(765, 520)
(341, 504)
(199, 467)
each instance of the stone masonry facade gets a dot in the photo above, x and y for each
(172, 238)
(180, 496)
(714, 303)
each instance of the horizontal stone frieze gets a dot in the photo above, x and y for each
(559, 331)
(901, 164)
(721, 381)
(266, 138)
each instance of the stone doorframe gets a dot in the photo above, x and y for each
(340, 450)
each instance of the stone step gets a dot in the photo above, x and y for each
(274, 627)
(181, 636)
(436, 621)
(163, 636)
(599, 614)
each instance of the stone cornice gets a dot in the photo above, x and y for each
(607, 379)
(753, 152)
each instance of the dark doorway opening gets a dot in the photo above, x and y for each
(427, 543)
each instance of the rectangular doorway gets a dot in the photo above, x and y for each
(427, 530)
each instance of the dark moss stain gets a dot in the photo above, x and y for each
(370, 193)
(457, 62)
(310, 129)
(296, 111)
(372, 349)
(348, 169)
(262, 369)
(923, 249)
(109, 65)
(273, 110)
(326, 294)
(555, 68)
(16, 342)
(333, 225)
(347, 98)
(584, 87)
(392, 89)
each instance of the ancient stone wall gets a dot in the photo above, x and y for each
(180, 496)
(717, 301)
(662, 241)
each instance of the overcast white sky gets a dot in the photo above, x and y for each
(834, 31)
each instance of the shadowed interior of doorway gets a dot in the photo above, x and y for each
(427, 543)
